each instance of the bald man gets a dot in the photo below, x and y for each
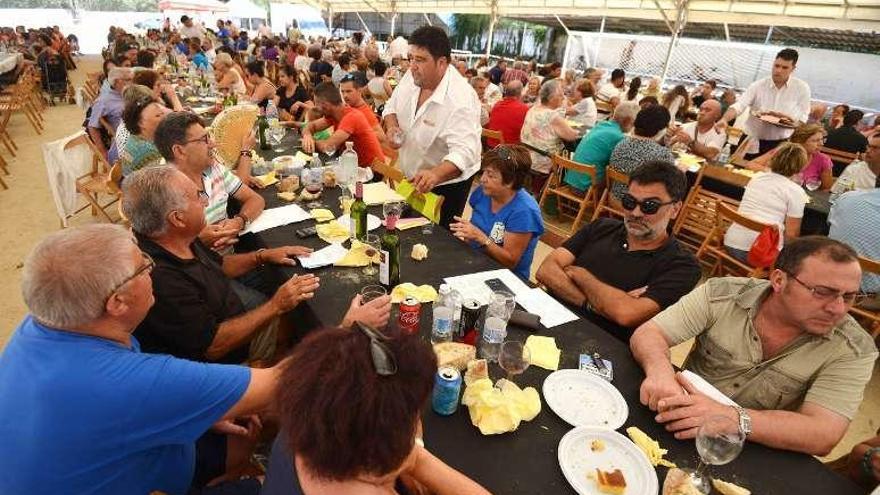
(701, 137)
(508, 114)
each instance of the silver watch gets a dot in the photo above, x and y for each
(745, 421)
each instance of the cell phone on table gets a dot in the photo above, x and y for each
(497, 285)
(306, 232)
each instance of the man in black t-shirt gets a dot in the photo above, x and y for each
(847, 138)
(623, 273)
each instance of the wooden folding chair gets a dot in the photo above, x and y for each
(841, 159)
(567, 197)
(5, 137)
(102, 180)
(606, 205)
(488, 134)
(391, 175)
(19, 100)
(697, 216)
(868, 317)
(713, 253)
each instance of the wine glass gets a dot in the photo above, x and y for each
(373, 245)
(719, 441)
(513, 358)
(391, 209)
(370, 292)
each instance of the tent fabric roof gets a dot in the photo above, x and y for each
(861, 15)
(193, 5)
(246, 9)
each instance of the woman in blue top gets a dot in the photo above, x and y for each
(506, 221)
(198, 57)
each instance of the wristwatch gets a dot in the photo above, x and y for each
(244, 220)
(745, 421)
(247, 153)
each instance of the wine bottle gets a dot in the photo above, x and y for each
(359, 213)
(262, 125)
(389, 255)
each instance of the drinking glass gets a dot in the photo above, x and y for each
(370, 292)
(813, 184)
(313, 181)
(513, 358)
(345, 200)
(373, 245)
(502, 305)
(719, 441)
(391, 209)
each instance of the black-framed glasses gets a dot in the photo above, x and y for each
(648, 206)
(383, 358)
(828, 294)
(148, 266)
(205, 139)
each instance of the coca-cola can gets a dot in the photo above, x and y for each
(409, 315)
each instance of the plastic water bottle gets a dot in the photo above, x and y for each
(724, 156)
(316, 161)
(441, 329)
(494, 333)
(348, 163)
(272, 113)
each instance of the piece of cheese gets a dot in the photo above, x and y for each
(726, 488)
(649, 446)
(321, 214)
(332, 232)
(267, 180)
(499, 409)
(357, 256)
(454, 354)
(287, 196)
(543, 352)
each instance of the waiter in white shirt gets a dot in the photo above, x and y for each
(779, 95)
(437, 114)
(190, 29)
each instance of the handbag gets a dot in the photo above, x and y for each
(765, 249)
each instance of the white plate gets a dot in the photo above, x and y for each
(577, 460)
(583, 399)
(373, 221)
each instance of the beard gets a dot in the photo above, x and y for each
(639, 228)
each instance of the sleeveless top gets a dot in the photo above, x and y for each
(537, 132)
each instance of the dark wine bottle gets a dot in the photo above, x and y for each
(359, 213)
(262, 125)
(389, 255)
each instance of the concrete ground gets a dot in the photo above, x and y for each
(27, 213)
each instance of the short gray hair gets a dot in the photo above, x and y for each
(69, 275)
(626, 110)
(116, 73)
(148, 197)
(547, 90)
(513, 88)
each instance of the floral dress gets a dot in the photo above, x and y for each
(537, 132)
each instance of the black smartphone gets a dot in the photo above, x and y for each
(497, 285)
(306, 232)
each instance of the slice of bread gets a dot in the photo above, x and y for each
(611, 482)
(726, 488)
(454, 354)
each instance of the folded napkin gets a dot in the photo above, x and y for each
(501, 408)
(333, 233)
(357, 255)
(543, 352)
(424, 293)
(409, 223)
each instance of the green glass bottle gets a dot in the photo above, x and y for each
(389, 255)
(359, 213)
(262, 125)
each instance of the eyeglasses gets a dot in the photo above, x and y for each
(648, 206)
(205, 139)
(828, 294)
(383, 358)
(148, 266)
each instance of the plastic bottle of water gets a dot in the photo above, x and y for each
(348, 164)
(441, 330)
(316, 161)
(272, 113)
(724, 156)
(494, 333)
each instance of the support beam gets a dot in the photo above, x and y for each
(680, 21)
(364, 24)
(493, 18)
(726, 32)
(393, 21)
(427, 19)
(665, 18)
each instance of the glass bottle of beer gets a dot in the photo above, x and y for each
(389, 255)
(359, 212)
(262, 125)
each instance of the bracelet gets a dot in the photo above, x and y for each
(247, 153)
(867, 470)
(259, 256)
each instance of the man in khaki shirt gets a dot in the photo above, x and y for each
(785, 349)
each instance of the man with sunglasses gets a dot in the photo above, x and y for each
(785, 350)
(624, 272)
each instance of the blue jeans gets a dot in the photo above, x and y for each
(738, 254)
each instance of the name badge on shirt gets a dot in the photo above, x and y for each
(429, 123)
(497, 234)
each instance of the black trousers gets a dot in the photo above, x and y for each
(454, 198)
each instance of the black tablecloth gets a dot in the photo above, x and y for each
(525, 461)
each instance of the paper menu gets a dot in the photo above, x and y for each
(323, 257)
(276, 217)
(707, 388)
(551, 311)
(376, 193)
(424, 203)
(472, 286)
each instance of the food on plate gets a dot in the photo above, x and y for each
(356, 256)
(307, 196)
(679, 482)
(266, 180)
(454, 354)
(727, 488)
(649, 446)
(597, 445)
(329, 178)
(289, 184)
(320, 214)
(419, 252)
(476, 370)
(612, 482)
(332, 232)
(288, 196)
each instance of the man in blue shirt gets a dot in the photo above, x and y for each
(109, 106)
(855, 220)
(83, 410)
(595, 149)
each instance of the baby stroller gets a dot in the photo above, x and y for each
(55, 80)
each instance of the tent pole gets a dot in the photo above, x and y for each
(599, 42)
(393, 19)
(330, 19)
(681, 12)
(493, 7)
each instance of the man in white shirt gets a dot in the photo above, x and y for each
(433, 117)
(611, 91)
(779, 95)
(861, 175)
(701, 137)
(190, 29)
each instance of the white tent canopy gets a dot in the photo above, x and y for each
(246, 9)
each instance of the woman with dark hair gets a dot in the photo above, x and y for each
(291, 98)
(141, 117)
(320, 70)
(634, 87)
(270, 51)
(677, 101)
(506, 220)
(263, 89)
(349, 407)
(162, 91)
(643, 145)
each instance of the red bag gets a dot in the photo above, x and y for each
(765, 249)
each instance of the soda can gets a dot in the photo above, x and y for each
(447, 388)
(471, 310)
(409, 315)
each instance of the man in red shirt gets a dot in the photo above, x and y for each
(351, 86)
(508, 114)
(516, 74)
(350, 125)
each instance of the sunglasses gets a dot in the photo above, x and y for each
(383, 358)
(648, 206)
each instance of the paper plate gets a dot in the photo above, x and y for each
(583, 399)
(373, 221)
(578, 460)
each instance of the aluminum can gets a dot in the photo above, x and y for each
(471, 310)
(447, 388)
(408, 316)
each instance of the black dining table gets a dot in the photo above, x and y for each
(525, 461)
